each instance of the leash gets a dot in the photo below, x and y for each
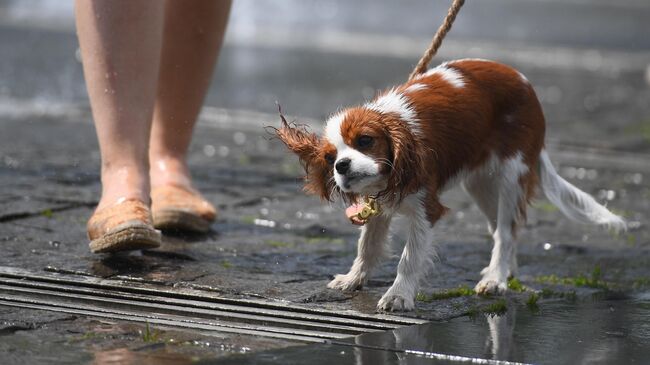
(437, 39)
(360, 213)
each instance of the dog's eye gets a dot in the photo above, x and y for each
(364, 141)
(330, 158)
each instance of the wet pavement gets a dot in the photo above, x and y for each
(585, 296)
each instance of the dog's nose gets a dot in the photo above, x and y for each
(342, 165)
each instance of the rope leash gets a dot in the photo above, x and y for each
(437, 39)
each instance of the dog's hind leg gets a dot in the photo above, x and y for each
(370, 250)
(512, 195)
(484, 189)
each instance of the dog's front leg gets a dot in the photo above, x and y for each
(416, 258)
(370, 251)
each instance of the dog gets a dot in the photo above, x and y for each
(472, 122)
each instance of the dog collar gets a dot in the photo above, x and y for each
(360, 213)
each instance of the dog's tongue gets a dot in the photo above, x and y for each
(352, 213)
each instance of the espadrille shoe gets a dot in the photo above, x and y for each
(178, 208)
(124, 226)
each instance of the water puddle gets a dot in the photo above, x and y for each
(560, 332)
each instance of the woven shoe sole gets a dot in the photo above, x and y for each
(129, 238)
(178, 220)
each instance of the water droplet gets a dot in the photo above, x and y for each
(264, 223)
(311, 216)
(637, 178)
(239, 138)
(209, 150)
(11, 162)
(224, 151)
(547, 246)
(592, 174)
(634, 225)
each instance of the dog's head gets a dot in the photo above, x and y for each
(362, 152)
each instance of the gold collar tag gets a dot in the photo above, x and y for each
(370, 208)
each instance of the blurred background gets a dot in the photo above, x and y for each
(588, 59)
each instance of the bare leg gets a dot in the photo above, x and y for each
(120, 44)
(193, 34)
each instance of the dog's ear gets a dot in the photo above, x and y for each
(408, 173)
(311, 152)
(300, 141)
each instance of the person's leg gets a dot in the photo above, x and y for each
(120, 43)
(193, 33)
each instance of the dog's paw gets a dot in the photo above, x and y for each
(395, 302)
(346, 282)
(494, 281)
(489, 286)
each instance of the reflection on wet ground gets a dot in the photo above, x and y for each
(561, 332)
(607, 332)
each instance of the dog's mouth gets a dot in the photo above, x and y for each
(354, 181)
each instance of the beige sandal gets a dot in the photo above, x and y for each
(124, 226)
(178, 208)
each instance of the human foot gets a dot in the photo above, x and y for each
(176, 205)
(124, 183)
(123, 226)
(165, 171)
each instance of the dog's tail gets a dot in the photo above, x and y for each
(573, 202)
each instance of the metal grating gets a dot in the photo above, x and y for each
(182, 308)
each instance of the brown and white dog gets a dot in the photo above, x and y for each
(473, 122)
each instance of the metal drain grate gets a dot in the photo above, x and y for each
(192, 309)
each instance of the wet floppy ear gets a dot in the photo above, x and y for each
(318, 180)
(406, 176)
(308, 147)
(299, 141)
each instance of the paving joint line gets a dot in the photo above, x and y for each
(11, 217)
